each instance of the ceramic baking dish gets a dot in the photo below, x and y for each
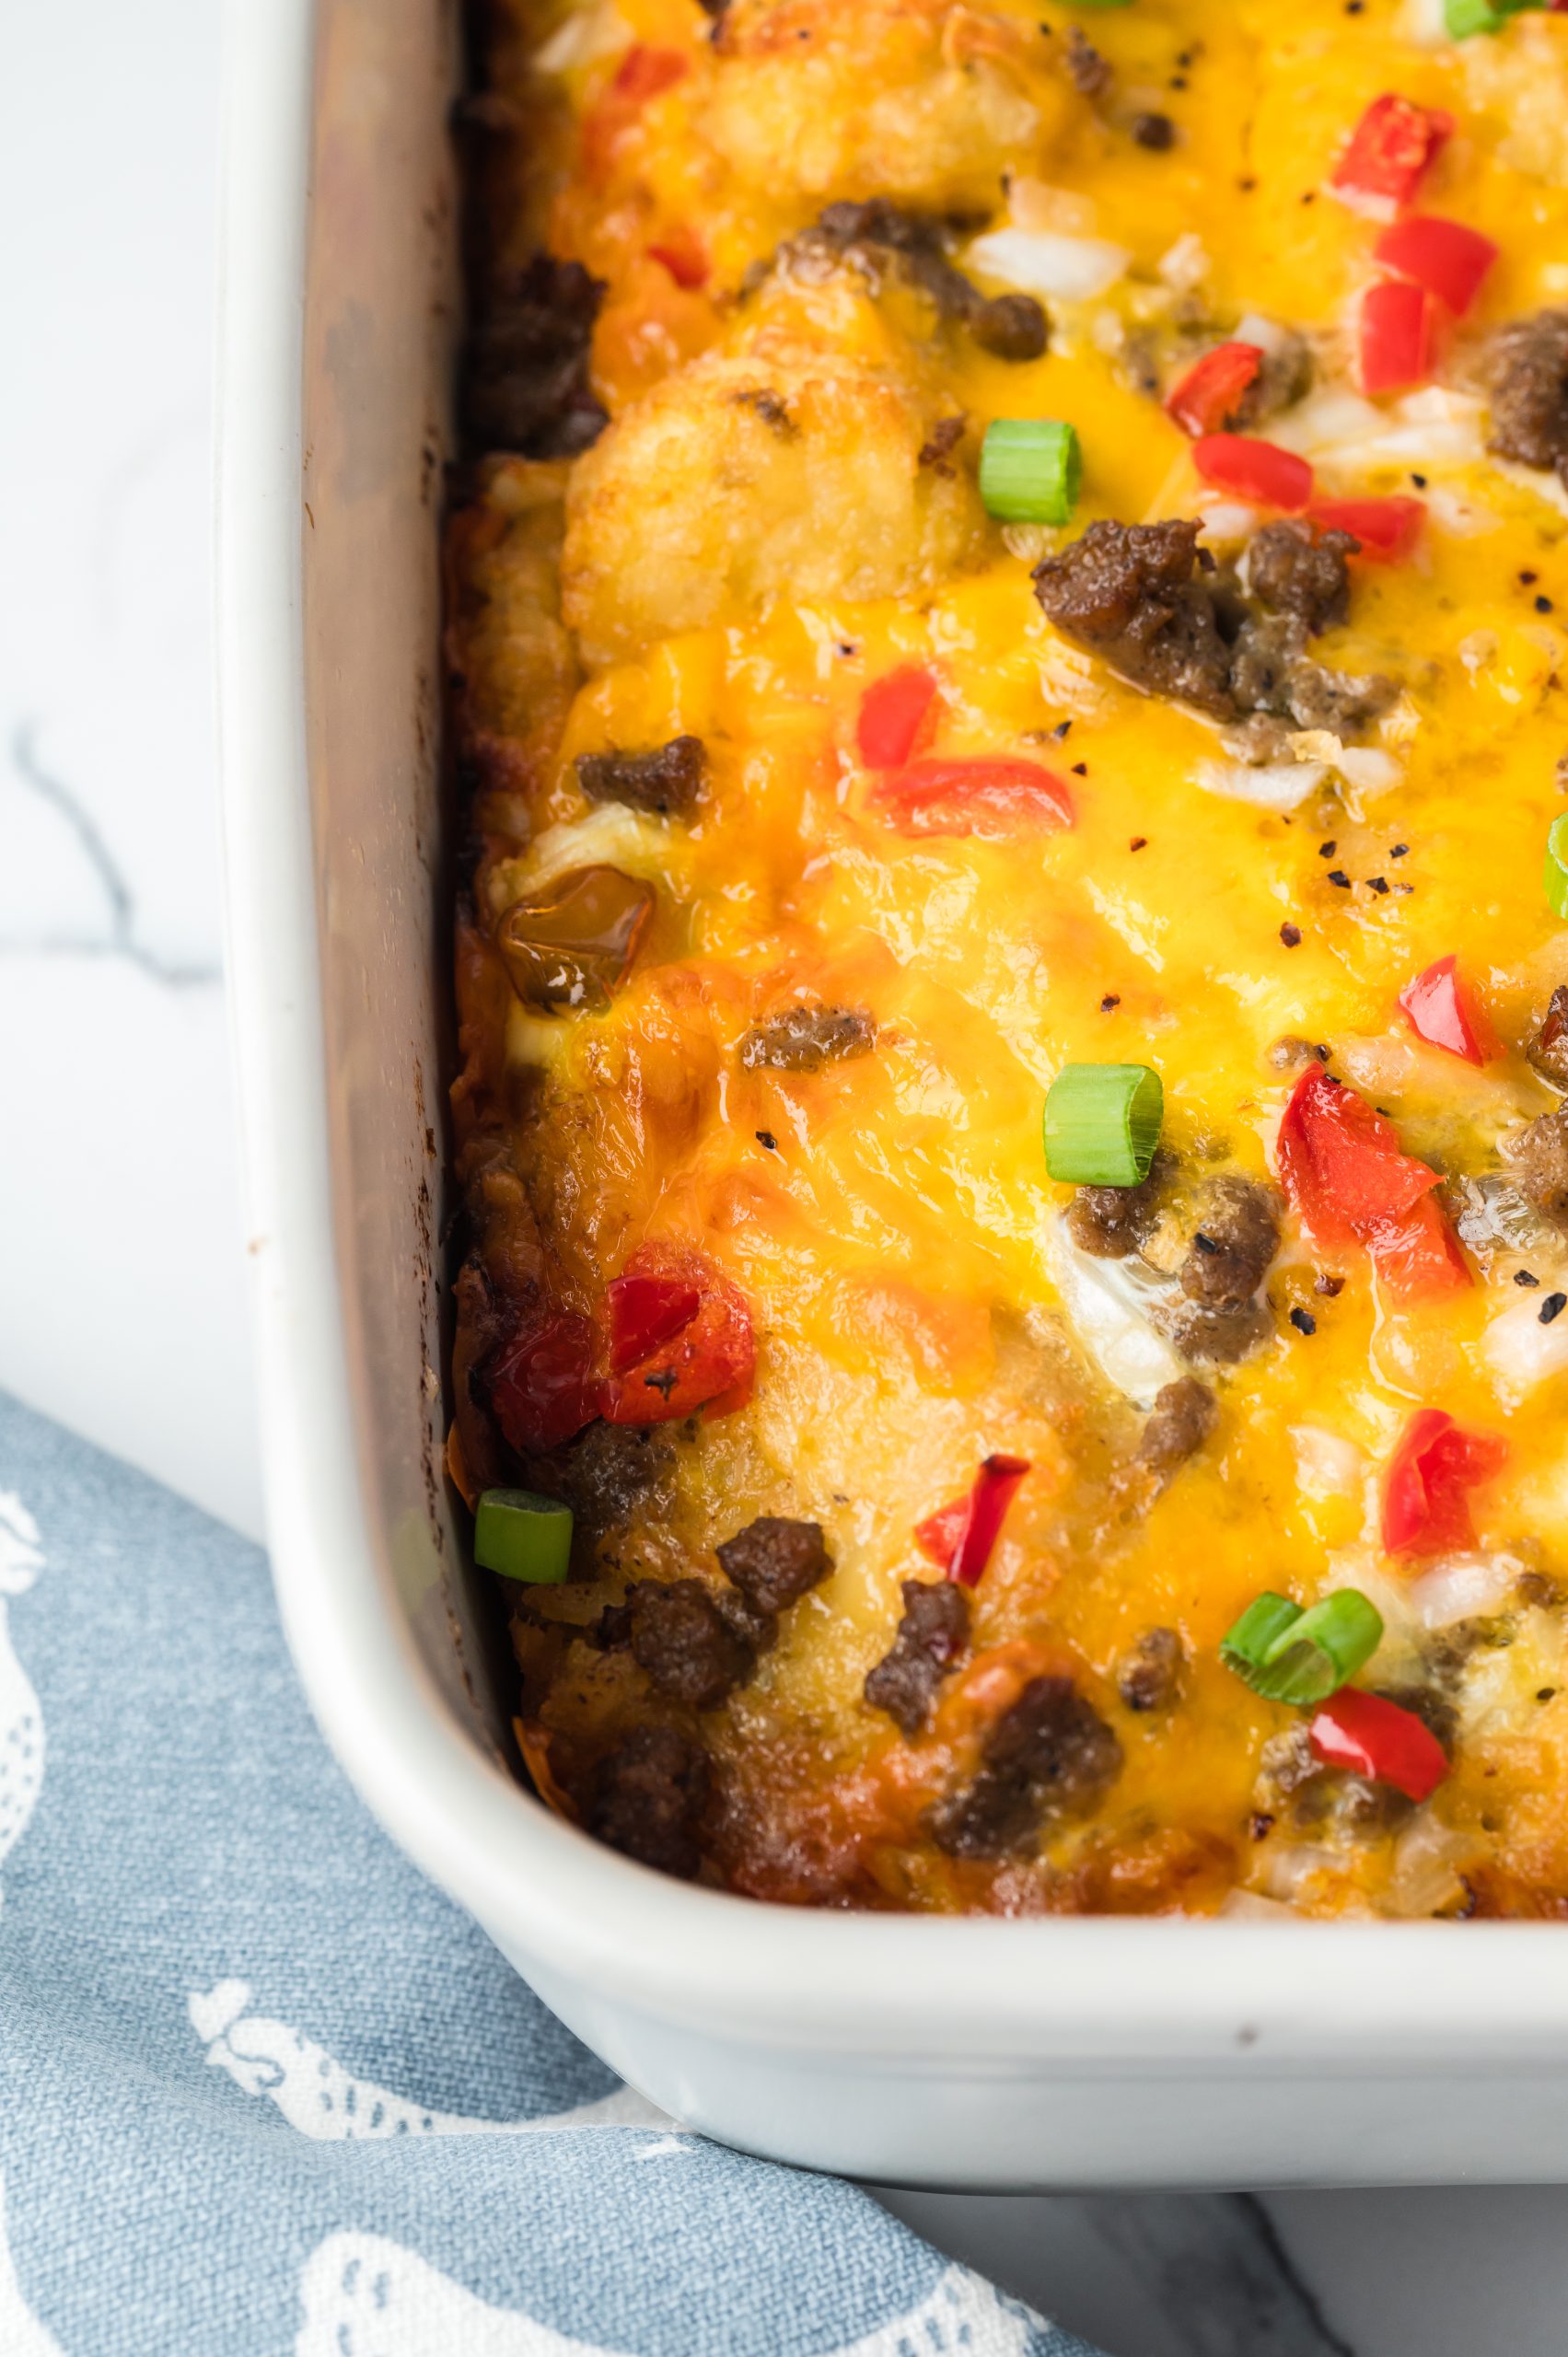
(955, 2053)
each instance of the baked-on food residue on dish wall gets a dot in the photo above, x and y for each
(1005, 624)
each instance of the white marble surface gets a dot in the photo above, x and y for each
(122, 1298)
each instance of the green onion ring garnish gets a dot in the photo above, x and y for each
(1102, 1123)
(1289, 1655)
(1462, 17)
(523, 1536)
(1029, 469)
(1556, 874)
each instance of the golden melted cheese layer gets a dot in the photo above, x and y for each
(890, 1219)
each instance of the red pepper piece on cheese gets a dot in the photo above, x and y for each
(1259, 473)
(681, 253)
(1425, 1492)
(1446, 257)
(1395, 337)
(641, 1312)
(1386, 529)
(1372, 1737)
(972, 797)
(960, 1535)
(1211, 389)
(643, 73)
(1389, 151)
(543, 1386)
(1442, 1011)
(707, 1362)
(1345, 1173)
(897, 713)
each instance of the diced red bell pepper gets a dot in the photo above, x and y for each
(960, 1536)
(543, 1386)
(989, 798)
(1375, 1738)
(1417, 1255)
(1443, 1011)
(1434, 1465)
(897, 712)
(643, 73)
(1395, 336)
(707, 1362)
(1446, 257)
(1211, 389)
(642, 1312)
(1345, 1173)
(1341, 1163)
(937, 1536)
(1390, 149)
(1258, 471)
(681, 253)
(1386, 529)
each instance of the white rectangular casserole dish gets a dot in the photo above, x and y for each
(1079, 2052)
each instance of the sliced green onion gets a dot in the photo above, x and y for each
(1102, 1123)
(1029, 469)
(1463, 17)
(1289, 1655)
(522, 1535)
(1556, 876)
(1244, 1647)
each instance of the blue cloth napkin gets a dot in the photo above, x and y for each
(263, 2089)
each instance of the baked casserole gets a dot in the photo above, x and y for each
(1005, 632)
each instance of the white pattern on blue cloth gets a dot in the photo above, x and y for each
(409, 2156)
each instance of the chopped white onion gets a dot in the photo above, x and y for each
(1431, 427)
(1074, 268)
(1425, 22)
(1315, 745)
(1327, 1464)
(1324, 420)
(1290, 1867)
(1368, 202)
(1521, 1352)
(1463, 1588)
(586, 34)
(1381, 1064)
(1494, 1215)
(1227, 519)
(1439, 405)
(1428, 1859)
(612, 834)
(1030, 542)
(1185, 264)
(1546, 486)
(1465, 518)
(1267, 334)
(1273, 786)
(1362, 1568)
(1037, 206)
(1365, 766)
(1108, 1303)
(1251, 1907)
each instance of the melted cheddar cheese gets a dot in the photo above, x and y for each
(755, 498)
